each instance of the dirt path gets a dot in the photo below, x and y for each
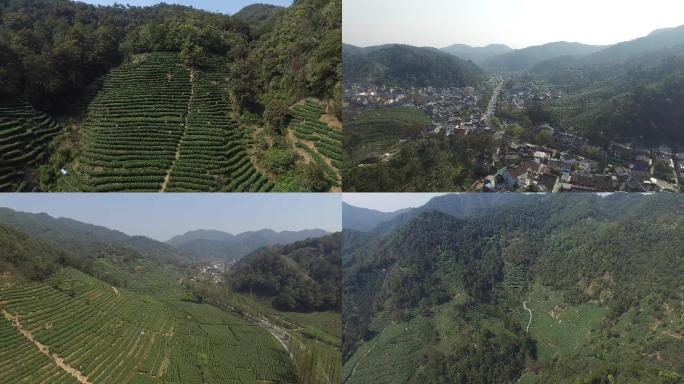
(530, 321)
(83, 379)
(185, 128)
(280, 335)
(362, 357)
(673, 335)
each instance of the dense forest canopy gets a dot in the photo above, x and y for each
(609, 268)
(406, 66)
(302, 276)
(52, 50)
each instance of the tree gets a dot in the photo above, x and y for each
(545, 137)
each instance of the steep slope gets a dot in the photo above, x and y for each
(303, 276)
(25, 137)
(185, 140)
(524, 59)
(135, 324)
(406, 66)
(477, 54)
(531, 295)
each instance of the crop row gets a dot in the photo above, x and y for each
(24, 138)
(307, 125)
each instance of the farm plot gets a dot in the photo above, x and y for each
(307, 125)
(24, 138)
(116, 336)
(390, 357)
(212, 150)
(158, 126)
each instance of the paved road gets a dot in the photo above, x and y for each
(491, 108)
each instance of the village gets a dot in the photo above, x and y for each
(212, 271)
(537, 159)
(568, 163)
(444, 106)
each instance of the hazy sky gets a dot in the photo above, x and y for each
(517, 23)
(387, 202)
(161, 216)
(223, 6)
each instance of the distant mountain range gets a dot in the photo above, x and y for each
(84, 239)
(422, 66)
(364, 219)
(459, 205)
(526, 58)
(88, 240)
(477, 54)
(406, 66)
(218, 245)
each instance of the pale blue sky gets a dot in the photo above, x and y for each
(388, 202)
(229, 6)
(517, 23)
(161, 216)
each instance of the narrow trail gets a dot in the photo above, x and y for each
(83, 379)
(185, 128)
(362, 357)
(530, 321)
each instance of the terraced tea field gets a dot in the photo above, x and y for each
(322, 142)
(73, 328)
(24, 138)
(157, 126)
(391, 356)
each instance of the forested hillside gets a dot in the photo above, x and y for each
(153, 94)
(406, 66)
(302, 276)
(570, 289)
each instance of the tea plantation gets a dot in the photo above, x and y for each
(322, 142)
(73, 328)
(158, 126)
(24, 138)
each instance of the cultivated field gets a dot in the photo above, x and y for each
(24, 138)
(73, 328)
(157, 126)
(322, 142)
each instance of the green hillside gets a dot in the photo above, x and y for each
(406, 66)
(146, 340)
(156, 126)
(98, 306)
(168, 97)
(25, 137)
(572, 289)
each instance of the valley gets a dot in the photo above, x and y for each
(82, 303)
(557, 117)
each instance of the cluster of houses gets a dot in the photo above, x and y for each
(374, 96)
(521, 94)
(562, 165)
(213, 271)
(443, 105)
